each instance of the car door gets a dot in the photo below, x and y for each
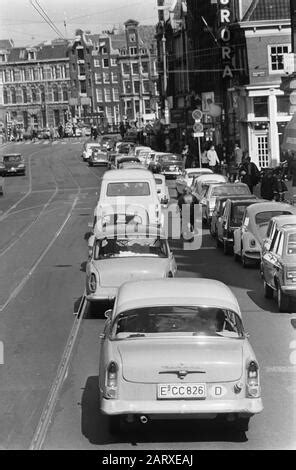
(270, 262)
(221, 223)
(238, 234)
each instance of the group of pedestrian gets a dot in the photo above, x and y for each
(209, 158)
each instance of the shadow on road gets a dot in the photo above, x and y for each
(96, 310)
(94, 426)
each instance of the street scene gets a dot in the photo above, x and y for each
(148, 227)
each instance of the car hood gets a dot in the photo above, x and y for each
(115, 271)
(159, 360)
(177, 163)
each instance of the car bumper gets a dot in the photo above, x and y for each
(171, 174)
(253, 255)
(104, 293)
(246, 406)
(100, 162)
(14, 172)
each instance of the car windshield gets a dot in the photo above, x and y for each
(12, 158)
(140, 188)
(237, 214)
(158, 181)
(291, 245)
(178, 320)
(262, 220)
(130, 247)
(230, 190)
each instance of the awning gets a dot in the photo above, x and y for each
(289, 140)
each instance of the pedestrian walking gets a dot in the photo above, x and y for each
(204, 159)
(266, 189)
(185, 154)
(279, 185)
(238, 154)
(249, 173)
(188, 200)
(122, 130)
(292, 175)
(61, 131)
(212, 158)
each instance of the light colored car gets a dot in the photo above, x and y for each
(248, 238)
(179, 353)
(187, 177)
(126, 252)
(142, 153)
(88, 148)
(1, 183)
(129, 188)
(207, 198)
(98, 157)
(162, 189)
(218, 211)
(279, 266)
(200, 181)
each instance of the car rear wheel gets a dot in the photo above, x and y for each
(246, 262)
(268, 291)
(226, 248)
(283, 300)
(242, 424)
(236, 257)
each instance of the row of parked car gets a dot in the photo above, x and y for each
(165, 338)
(257, 232)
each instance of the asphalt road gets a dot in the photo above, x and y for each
(43, 229)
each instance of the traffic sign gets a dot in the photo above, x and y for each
(198, 134)
(198, 127)
(197, 114)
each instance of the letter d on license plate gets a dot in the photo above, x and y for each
(192, 391)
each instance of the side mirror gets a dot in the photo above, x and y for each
(108, 313)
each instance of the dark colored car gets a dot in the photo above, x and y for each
(231, 219)
(13, 164)
(171, 166)
(219, 208)
(98, 157)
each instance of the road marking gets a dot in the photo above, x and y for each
(62, 372)
(25, 279)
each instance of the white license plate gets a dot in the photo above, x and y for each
(193, 391)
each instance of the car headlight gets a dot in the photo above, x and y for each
(21, 165)
(252, 243)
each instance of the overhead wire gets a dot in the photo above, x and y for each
(46, 19)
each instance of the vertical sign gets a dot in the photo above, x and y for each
(225, 37)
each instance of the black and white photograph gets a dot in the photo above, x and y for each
(147, 228)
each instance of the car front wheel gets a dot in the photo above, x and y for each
(283, 300)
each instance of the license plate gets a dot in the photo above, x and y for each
(193, 391)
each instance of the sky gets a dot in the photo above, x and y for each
(20, 21)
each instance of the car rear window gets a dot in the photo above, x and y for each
(12, 158)
(177, 320)
(230, 190)
(140, 188)
(158, 180)
(291, 245)
(237, 214)
(262, 220)
(130, 247)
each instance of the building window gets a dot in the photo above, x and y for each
(147, 106)
(80, 54)
(108, 95)
(3, 57)
(25, 119)
(276, 57)
(65, 94)
(135, 68)
(132, 37)
(73, 67)
(127, 86)
(143, 51)
(136, 86)
(113, 62)
(283, 105)
(125, 69)
(7, 76)
(34, 95)
(145, 67)
(104, 50)
(58, 72)
(133, 50)
(82, 86)
(13, 95)
(5, 96)
(114, 76)
(123, 52)
(56, 117)
(25, 96)
(115, 94)
(31, 55)
(261, 106)
(97, 63)
(146, 86)
(81, 70)
(99, 93)
(106, 77)
(98, 78)
(55, 94)
(105, 63)
(108, 110)
(137, 106)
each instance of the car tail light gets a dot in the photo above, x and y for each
(111, 380)
(252, 243)
(253, 385)
(92, 283)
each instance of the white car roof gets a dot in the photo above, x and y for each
(189, 171)
(211, 178)
(178, 291)
(127, 175)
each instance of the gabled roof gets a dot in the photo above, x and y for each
(262, 10)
